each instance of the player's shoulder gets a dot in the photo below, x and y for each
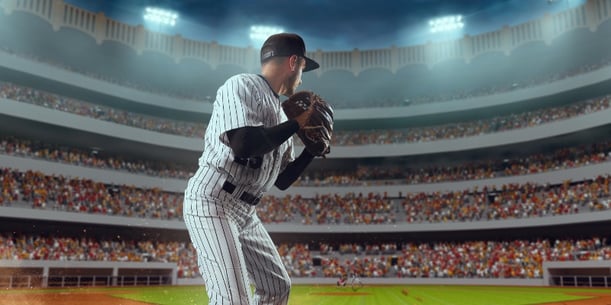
(244, 78)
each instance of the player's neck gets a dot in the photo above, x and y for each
(273, 80)
(269, 85)
(276, 76)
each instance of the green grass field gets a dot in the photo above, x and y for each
(331, 295)
(383, 295)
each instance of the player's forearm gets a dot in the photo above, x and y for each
(293, 170)
(256, 141)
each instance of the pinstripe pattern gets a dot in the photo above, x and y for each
(225, 284)
(268, 272)
(244, 100)
(232, 243)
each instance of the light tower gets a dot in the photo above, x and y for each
(160, 16)
(446, 24)
(258, 33)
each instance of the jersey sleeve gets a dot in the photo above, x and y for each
(289, 154)
(238, 105)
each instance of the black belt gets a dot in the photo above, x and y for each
(246, 196)
(252, 162)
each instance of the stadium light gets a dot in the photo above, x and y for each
(446, 24)
(160, 16)
(261, 32)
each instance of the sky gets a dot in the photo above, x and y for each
(329, 24)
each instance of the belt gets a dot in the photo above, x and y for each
(252, 162)
(246, 196)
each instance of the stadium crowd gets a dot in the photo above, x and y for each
(37, 149)
(508, 201)
(61, 193)
(100, 112)
(494, 259)
(340, 137)
(514, 201)
(466, 259)
(404, 173)
(470, 128)
(36, 247)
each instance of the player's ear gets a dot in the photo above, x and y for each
(294, 62)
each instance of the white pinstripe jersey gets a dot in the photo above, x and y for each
(243, 100)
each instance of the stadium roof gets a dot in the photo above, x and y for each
(330, 25)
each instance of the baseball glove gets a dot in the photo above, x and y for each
(316, 134)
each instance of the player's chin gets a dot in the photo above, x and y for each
(292, 89)
(289, 92)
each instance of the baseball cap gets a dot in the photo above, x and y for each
(286, 44)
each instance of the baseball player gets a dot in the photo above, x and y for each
(248, 148)
(355, 281)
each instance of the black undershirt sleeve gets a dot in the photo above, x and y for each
(293, 170)
(252, 141)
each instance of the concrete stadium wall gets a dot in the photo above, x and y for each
(46, 269)
(401, 281)
(577, 273)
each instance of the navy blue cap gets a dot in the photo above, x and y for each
(286, 44)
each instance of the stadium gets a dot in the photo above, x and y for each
(473, 162)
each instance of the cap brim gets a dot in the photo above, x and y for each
(310, 65)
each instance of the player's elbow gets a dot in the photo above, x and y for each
(241, 150)
(238, 142)
(283, 186)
